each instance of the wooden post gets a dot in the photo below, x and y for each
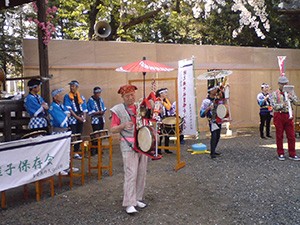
(43, 52)
(3, 200)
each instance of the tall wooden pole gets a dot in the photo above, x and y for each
(43, 52)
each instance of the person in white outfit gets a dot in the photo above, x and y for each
(123, 121)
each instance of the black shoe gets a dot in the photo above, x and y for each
(213, 156)
(263, 137)
(217, 153)
(269, 136)
(93, 152)
(168, 152)
(159, 151)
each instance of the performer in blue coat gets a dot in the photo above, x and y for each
(76, 104)
(36, 107)
(96, 109)
(59, 114)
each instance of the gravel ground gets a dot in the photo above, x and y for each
(246, 185)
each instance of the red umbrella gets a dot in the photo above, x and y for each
(144, 66)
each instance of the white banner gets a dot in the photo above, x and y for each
(186, 96)
(28, 160)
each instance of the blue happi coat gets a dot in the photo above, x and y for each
(93, 107)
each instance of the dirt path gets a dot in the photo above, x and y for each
(246, 185)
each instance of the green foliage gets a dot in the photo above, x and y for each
(11, 36)
(143, 21)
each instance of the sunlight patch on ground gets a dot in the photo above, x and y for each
(285, 146)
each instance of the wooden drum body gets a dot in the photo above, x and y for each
(169, 125)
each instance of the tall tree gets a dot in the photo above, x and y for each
(11, 34)
(177, 21)
(237, 22)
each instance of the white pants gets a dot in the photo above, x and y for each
(135, 169)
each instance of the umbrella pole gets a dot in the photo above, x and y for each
(144, 84)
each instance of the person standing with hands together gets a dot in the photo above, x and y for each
(209, 110)
(265, 111)
(76, 104)
(282, 120)
(36, 107)
(123, 121)
(96, 109)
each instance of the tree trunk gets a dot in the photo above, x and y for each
(43, 52)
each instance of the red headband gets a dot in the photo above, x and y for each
(126, 89)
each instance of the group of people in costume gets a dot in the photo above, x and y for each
(66, 112)
(70, 111)
(275, 104)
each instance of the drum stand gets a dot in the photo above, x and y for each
(180, 164)
(156, 138)
(174, 133)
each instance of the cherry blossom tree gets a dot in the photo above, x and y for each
(252, 13)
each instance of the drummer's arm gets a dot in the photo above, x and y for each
(294, 99)
(204, 112)
(116, 125)
(276, 103)
(221, 94)
(205, 108)
(167, 104)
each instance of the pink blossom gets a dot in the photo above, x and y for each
(34, 6)
(47, 27)
(54, 9)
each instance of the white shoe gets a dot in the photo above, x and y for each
(64, 173)
(131, 210)
(75, 169)
(281, 158)
(77, 156)
(295, 158)
(141, 204)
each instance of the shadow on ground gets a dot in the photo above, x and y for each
(246, 185)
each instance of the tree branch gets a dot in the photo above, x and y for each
(141, 19)
(92, 17)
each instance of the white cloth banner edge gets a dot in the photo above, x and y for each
(186, 96)
(36, 159)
